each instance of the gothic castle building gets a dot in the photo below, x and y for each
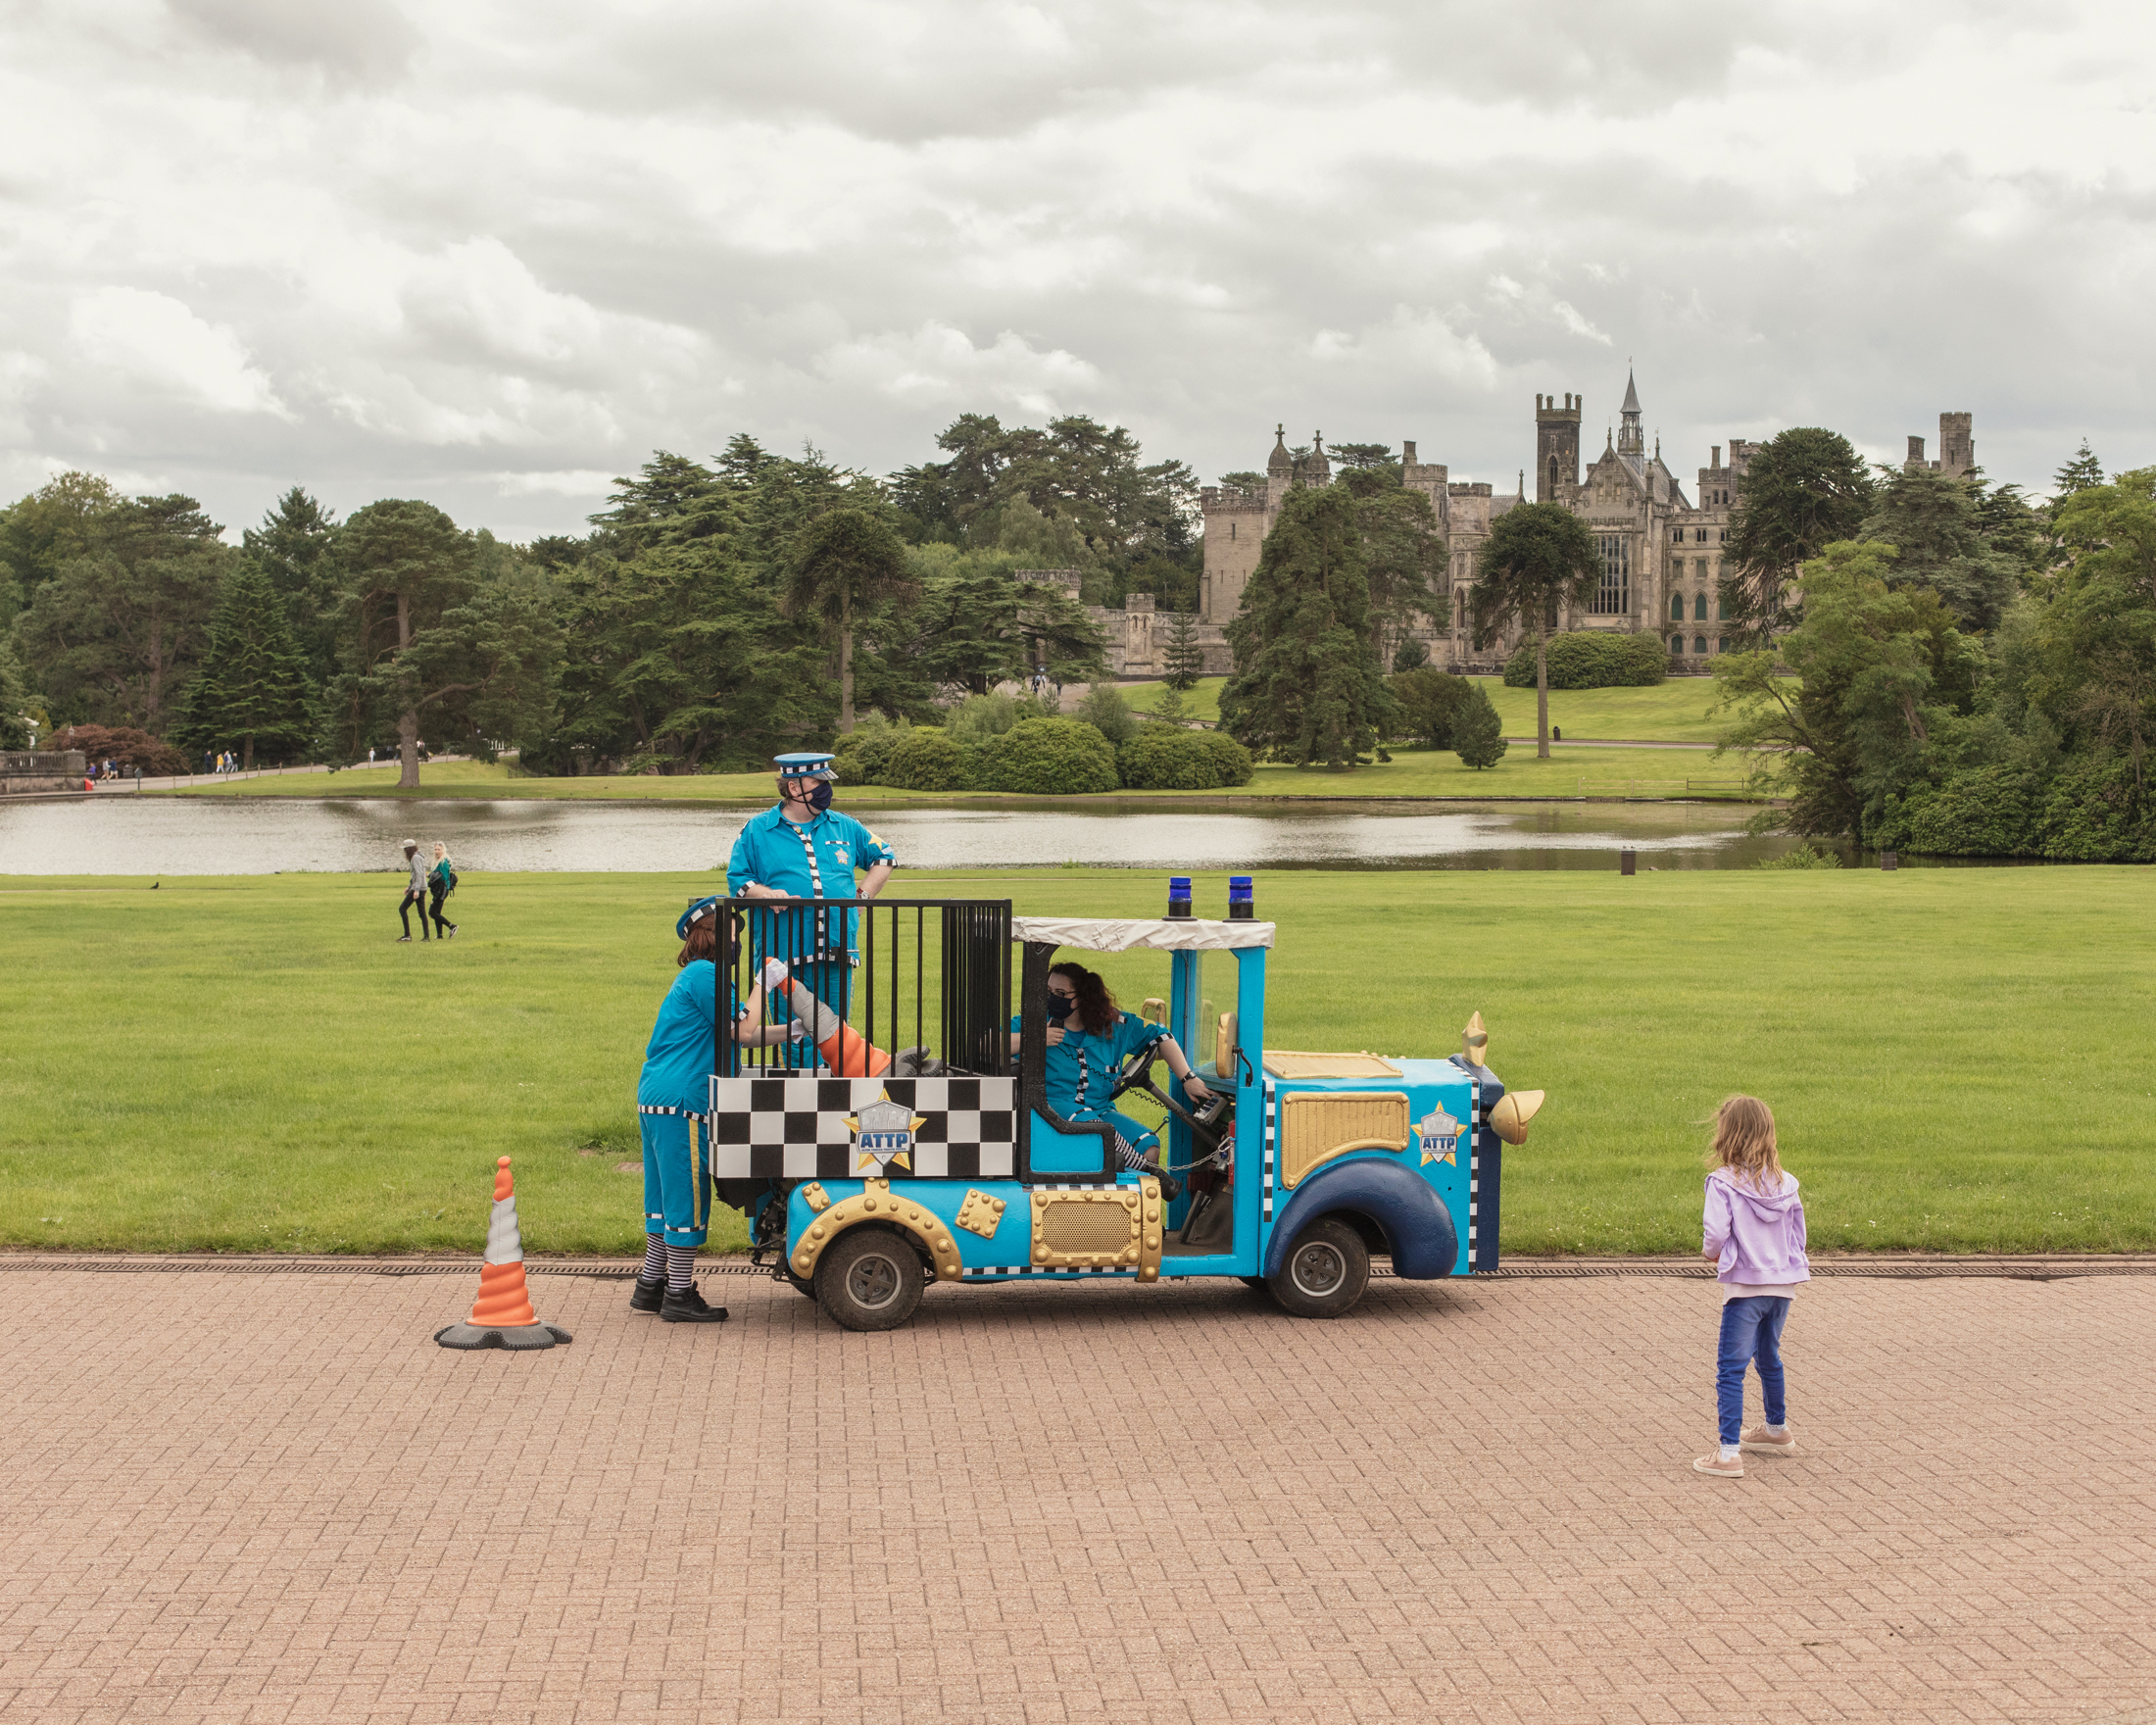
(1661, 551)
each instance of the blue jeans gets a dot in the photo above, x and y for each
(1752, 1330)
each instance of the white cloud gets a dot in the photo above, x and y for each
(153, 342)
(939, 366)
(384, 248)
(577, 482)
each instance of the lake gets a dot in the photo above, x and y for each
(158, 835)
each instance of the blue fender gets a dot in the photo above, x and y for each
(1424, 1243)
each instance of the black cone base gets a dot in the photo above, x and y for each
(517, 1336)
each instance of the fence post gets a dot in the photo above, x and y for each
(1627, 861)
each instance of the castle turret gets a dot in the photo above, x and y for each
(1280, 463)
(1630, 439)
(1556, 444)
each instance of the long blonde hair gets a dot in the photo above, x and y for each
(1743, 1143)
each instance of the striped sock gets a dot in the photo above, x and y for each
(680, 1265)
(655, 1259)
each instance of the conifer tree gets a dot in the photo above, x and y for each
(253, 688)
(2082, 473)
(1307, 686)
(1186, 663)
(1478, 734)
(1538, 558)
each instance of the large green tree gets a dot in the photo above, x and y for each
(1802, 489)
(253, 686)
(1538, 558)
(291, 548)
(2098, 634)
(1185, 659)
(1877, 672)
(1403, 554)
(1933, 523)
(114, 636)
(60, 520)
(973, 623)
(1306, 685)
(844, 564)
(439, 625)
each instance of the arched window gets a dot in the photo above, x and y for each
(1553, 476)
(1721, 611)
(1676, 646)
(1700, 608)
(1230, 529)
(1699, 645)
(1677, 606)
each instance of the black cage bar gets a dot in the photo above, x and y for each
(922, 983)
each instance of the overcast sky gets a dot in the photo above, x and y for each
(493, 252)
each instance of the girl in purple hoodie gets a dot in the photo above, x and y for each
(1755, 1237)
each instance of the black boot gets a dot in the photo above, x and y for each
(687, 1307)
(648, 1296)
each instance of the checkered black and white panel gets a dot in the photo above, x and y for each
(1272, 1116)
(795, 1128)
(1474, 1160)
(1013, 1270)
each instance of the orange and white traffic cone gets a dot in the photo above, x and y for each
(502, 1315)
(844, 1048)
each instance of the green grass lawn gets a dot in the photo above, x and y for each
(1673, 712)
(1200, 701)
(1957, 1056)
(1662, 772)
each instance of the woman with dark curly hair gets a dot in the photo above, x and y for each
(1089, 1041)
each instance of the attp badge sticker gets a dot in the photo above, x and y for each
(1439, 1133)
(883, 1136)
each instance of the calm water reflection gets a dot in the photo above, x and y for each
(155, 835)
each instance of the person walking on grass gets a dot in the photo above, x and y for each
(1753, 1235)
(415, 892)
(673, 1093)
(441, 881)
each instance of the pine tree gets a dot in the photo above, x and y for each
(1186, 660)
(253, 687)
(1538, 558)
(2078, 475)
(1306, 685)
(1478, 734)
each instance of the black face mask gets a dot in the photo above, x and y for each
(1059, 1008)
(817, 797)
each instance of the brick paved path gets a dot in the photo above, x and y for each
(232, 1496)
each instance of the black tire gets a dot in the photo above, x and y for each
(1324, 1272)
(871, 1279)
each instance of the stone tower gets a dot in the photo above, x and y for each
(1957, 444)
(1557, 446)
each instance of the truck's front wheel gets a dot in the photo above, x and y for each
(871, 1279)
(1324, 1272)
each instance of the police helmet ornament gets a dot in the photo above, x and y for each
(883, 1136)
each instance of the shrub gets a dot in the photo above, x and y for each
(1591, 658)
(1052, 757)
(1478, 735)
(1429, 700)
(924, 759)
(1410, 655)
(1804, 856)
(1232, 763)
(130, 747)
(1166, 757)
(1986, 812)
(1105, 709)
(863, 754)
(979, 717)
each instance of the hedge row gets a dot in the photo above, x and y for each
(1591, 658)
(1043, 756)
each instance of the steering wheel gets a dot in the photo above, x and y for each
(1138, 1075)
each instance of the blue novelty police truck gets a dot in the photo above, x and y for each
(870, 1169)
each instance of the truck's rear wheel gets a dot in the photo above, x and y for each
(871, 1279)
(1324, 1272)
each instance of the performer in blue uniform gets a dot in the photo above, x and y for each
(803, 849)
(1089, 1040)
(671, 1097)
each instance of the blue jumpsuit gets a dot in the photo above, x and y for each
(671, 1097)
(813, 860)
(1082, 1069)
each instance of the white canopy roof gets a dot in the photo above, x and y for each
(1102, 934)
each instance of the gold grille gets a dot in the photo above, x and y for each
(1315, 1126)
(1080, 1230)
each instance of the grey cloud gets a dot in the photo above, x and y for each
(363, 41)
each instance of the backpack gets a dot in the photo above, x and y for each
(446, 875)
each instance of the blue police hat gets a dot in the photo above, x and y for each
(804, 765)
(693, 914)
